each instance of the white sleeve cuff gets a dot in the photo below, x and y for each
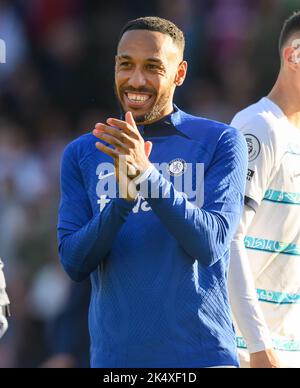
(144, 176)
(134, 190)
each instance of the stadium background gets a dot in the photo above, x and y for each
(56, 84)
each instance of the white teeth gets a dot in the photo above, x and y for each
(137, 97)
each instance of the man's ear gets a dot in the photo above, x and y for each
(181, 73)
(291, 56)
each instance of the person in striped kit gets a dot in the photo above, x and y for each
(264, 278)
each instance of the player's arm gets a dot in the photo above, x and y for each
(4, 303)
(262, 164)
(84, 239)
(244, 303)
(204, 233)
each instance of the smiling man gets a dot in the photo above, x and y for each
(134, 216)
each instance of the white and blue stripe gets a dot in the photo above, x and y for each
(283, 345)
(276, 297)
(282, 197)
(271, 246)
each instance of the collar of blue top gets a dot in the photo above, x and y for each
(167, 126)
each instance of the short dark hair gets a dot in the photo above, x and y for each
(154, 23)
(290, 27)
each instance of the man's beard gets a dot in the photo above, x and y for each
(153, 115)
(155, 112)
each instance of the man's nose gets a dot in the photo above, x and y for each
(137, 79)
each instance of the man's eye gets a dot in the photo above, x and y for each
(152, 67)
(125, 64)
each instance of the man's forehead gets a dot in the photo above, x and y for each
(152, 43)
(121, 57)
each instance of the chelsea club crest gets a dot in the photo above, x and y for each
(177, 167)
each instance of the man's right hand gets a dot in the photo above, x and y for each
(128, 144)
(265, 359)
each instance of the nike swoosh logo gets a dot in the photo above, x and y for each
(104, 176)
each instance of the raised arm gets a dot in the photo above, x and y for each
(85, 239)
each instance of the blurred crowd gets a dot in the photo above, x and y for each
(56, 84)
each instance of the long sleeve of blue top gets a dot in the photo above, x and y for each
(84, 239)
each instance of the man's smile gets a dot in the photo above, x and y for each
(137, 99)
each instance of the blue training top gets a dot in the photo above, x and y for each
(158, 267)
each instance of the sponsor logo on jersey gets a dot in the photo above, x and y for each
(254, 147)
(105, 176)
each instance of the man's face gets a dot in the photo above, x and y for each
(146, 74)
(291, 60)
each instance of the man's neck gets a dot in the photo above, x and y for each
(286, 97)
